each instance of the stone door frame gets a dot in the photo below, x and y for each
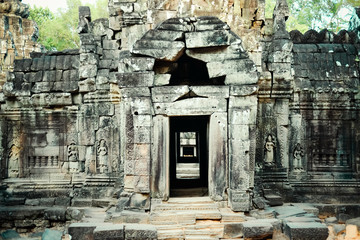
(216, 110)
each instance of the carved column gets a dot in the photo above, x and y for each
(242, 116)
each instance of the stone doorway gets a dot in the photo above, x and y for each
(189, 156)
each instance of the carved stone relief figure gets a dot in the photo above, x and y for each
(269, 149)
(298, 155)
(73, 158)
(14, 155)
(102, 152)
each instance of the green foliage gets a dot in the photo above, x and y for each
(316, 14)
(40, 15)
(58, 31)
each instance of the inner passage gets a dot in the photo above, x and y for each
(188, 166)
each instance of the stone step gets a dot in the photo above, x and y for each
(183, 207)
(187, 176)
(157, 218)
(229, 216)
(216, 215)
(171, 234)
(201, 238)
(187, 165)
(192, 200)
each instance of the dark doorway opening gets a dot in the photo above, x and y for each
(189, 156)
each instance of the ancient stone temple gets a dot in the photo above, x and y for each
(179, 99)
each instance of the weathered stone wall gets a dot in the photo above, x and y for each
(18, 35)
(60, 122)
(282, 107)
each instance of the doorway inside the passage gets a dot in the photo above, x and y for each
(189, 156)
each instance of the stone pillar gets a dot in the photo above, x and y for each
(242, 118)
(160, 158)
(218, 156)
(282, 124)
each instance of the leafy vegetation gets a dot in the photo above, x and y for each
(316, 14)
(58, 31)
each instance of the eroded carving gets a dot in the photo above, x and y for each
(298, 155)
(269, 151)
(102, 154)
(13, 159)
(73, 158)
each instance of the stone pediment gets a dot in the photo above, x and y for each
(206, 40)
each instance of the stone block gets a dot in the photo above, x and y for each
(60, 60)
(25, 223)
(87, 39)
(215, 54)
(111, 54)
(110, 44)
(168, 94)
(89, 59)
(57, 214)
(207, 39)
(274, 200)
(162, 79)
(202, 106)
(354, 221)
(242, 78)
(71, 86)
(67, 62)
(230, 67)
(140, 232)
(239, 200)
(242, 91)
(10, 234)
(343, 217)
(14, 201)
(88, 85)
(32, 202)
(50, 234)
(257, 229)
(47, 202)
(74, 214)
(138, 79)
(288, 211)
(233, 230)
(52, 62)
(82, 231)
(115, 23)
(331, 220)
(131, 216)
(136, 64)
(306, 230)
(75, 62)
(139, 201)
(40, 87)
(49, 76)
(109, 232)
(141, 106)
(22, 65)
(52, 99)
(105, 64)
(36, 76)
(135, 92)
(87, 71)
(165, 35)
(160, 50)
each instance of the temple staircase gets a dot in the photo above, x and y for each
(192, 218)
